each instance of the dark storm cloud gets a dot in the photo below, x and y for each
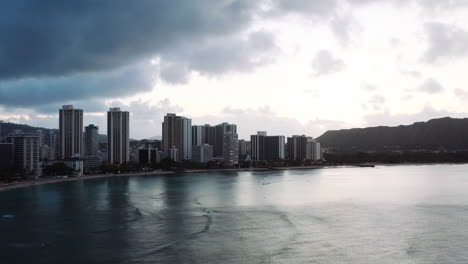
(56, 37)
(218, 55)
(58, 51)
(120, 82)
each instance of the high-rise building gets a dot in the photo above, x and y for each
(258, 145)
(244, 150)
(174, 154)
(297, 148)
(186, 138)
(205, 134)
(91, 140)
(155, 144)
(149, 156)
(202, 153)
(230, 148)
(26, 152)
(226, 145)
(274, 148)
(209, 134)
(41, 135)
(244, 147)
(269, 148)
(220, 131)
(71, 132)
(52, 140)
(313, 150)
(118, 136)
(197, 136)
(177, 134)
(45, 152)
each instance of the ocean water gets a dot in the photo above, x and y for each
(386, 214)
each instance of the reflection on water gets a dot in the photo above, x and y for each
(396, 214)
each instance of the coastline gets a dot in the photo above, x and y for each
(29, 183)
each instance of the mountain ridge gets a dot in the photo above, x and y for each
(443, 133)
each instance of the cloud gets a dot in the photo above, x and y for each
(427, 113)
(437, 5)
(461, 94)
(445, 42)
(217, 56)
(53, 51)
(56, 38)
(431, 86)
(369, 87)
(342, 27)
(304, 7)
(324, 63)
(34, 92)
(250, 120)
(414, 74)
(376, 102)
(146, 117)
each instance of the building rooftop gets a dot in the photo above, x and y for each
(67, 107)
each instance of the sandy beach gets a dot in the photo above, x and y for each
(28, 183)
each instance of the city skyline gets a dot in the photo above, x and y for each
(103, 127)
(233, 131)
(283, 66)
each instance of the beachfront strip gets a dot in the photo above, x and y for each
(74, 150)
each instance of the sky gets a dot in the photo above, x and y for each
(282, 66)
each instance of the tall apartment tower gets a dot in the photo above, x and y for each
(52, 140)
(71, 131)
(209, 134)
(297, 147)
(313, 150)
(230, 149)
(118, 136)
(274, 148)
(244, 147)
(26, 152)
(91, 140)
(226, 144)
(220, 131)
(186, 138)
(268, 148)
(257, 145)
(177, 137)
(197, 135)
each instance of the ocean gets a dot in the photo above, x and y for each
(386, 214)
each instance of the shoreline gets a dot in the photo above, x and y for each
(29, 183)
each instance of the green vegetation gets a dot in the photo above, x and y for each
(57, 169)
